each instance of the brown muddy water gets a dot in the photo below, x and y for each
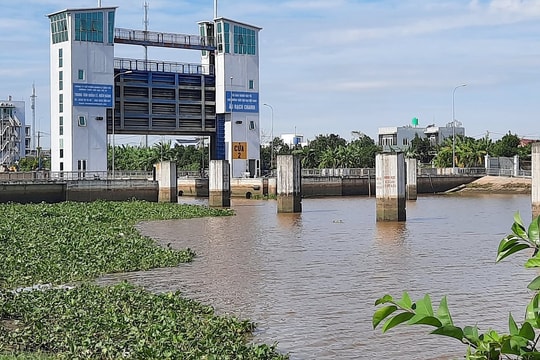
(310, 280)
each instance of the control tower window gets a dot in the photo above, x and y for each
(244, 40)
(89, 27)
(59, 31)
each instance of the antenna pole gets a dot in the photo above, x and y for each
(215, 9)
(99, 3)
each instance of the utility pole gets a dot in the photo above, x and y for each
(33, 106)
(146, 51)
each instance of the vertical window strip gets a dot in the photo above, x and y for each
(110, 25)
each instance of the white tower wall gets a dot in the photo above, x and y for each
(82, 76)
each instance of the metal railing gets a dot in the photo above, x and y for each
(126, 64)
(52, 176)
(163, 39)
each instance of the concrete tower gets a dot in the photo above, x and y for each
(82, 76)
(236, 61)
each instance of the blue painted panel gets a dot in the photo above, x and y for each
(242, 101)
(220, 137)
(92, 95)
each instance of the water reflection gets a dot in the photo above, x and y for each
(391, 232)
(310, 280)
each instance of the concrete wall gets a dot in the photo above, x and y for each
(84, 190)
(25, 193)
(116, 190)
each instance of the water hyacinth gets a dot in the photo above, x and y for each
(73, 243)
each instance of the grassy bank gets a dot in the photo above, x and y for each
(73, 243)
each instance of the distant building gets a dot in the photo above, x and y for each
(399, 138)
(12, 131)
(293, 139)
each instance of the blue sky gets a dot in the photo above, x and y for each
(334, 66)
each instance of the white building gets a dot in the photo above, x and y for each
(12, 131)
(83, 78)
(399, 138)
(82, 71)
(236, 62)
(293, 139)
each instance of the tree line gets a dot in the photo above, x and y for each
(325, 151)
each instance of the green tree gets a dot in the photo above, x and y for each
(506, 146)
(421, 149)
(522, 339)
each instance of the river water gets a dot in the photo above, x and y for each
(310, 280)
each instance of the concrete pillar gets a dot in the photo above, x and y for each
(289, 178)
(535, 157)
(219, 184)
(487, 163)
(166, 176)
(516, 165)
(272, 186)
(390, 187)
(411, 188)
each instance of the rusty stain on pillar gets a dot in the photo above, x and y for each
(390, 187)
(219, 184)
(411, 187)
(535, 157)
(167, 181)
(289, 193)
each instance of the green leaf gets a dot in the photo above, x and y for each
(424, 307)
(471, 334)
(535, 284)
(507, 242)
(382, 313)
(405, 301)
(531, 314)
(533, 262)
(396, 320)
(527, 331)
(420, 319)
(450, 331)
(512, 326)
(515, 248)
(443, 314)
(518, 221)
(509, 346)
(533, 231)
(520, 231)
(385, 299)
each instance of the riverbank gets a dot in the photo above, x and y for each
(500, 185)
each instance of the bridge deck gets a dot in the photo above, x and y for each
(160, 39)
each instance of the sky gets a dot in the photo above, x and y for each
(332, 66)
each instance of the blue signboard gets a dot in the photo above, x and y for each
(240, 101)
(92, 95)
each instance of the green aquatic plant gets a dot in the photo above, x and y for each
(43, 246)
(122, 321)
(521, 341)
(67, 242)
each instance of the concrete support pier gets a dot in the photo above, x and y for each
(289, 194)
(219, 184)
(390, 187)
(535, 157)
(165, 174)
(411, 188)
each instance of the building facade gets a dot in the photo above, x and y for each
(218, 98)
(82, 71)
(13, 138)
(236, 61)
(398, 139)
